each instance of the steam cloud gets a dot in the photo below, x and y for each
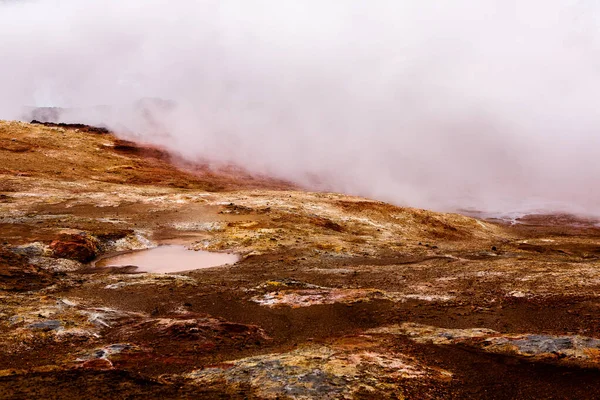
(491, 104)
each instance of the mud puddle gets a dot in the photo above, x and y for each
(168, 258)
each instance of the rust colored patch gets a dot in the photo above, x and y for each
(74, 247)
(79, 127)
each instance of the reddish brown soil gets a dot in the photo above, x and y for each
(535, 277)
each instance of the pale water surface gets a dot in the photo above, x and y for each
(171, 258)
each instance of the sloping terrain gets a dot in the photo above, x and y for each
(334, 296)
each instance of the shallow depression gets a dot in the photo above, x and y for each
(171, 258)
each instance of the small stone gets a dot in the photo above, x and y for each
(74, 247)
(50, 325)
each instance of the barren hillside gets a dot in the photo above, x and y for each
(333, 297)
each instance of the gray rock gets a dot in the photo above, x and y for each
(49, 325)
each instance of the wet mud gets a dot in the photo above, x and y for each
(166, 259)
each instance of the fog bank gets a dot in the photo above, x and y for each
(490, 104)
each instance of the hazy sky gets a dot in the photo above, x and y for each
(435, 104)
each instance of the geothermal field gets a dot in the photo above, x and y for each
(299, 199)
(298, 295)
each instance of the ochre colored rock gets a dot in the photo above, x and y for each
(74, 247)
(17, 274)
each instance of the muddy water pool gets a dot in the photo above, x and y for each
(168, 258)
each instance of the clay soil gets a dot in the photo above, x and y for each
(334, 297)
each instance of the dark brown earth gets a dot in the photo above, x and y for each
(335, 296)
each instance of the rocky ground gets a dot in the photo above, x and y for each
(335, 297)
